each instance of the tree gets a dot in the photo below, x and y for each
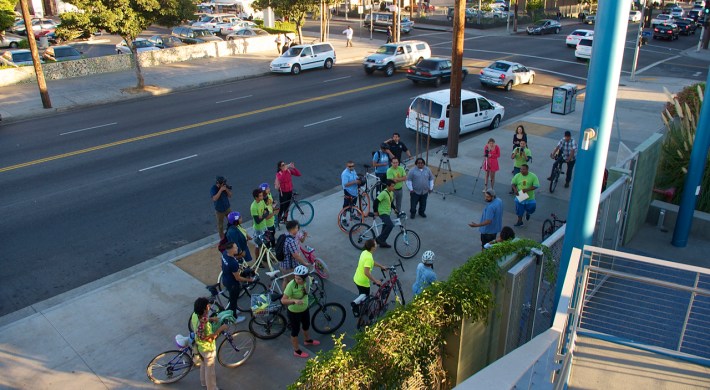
(293, 10)
(7, 14)
(126, 18)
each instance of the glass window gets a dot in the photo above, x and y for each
(307, 51)
(409, 49)
(426, 107)
(469, 106)
(484, 104)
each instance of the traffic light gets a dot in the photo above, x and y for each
(706, 8)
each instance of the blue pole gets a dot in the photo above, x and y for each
(691, 188)
(602, 87)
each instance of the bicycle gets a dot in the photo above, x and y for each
(301, 211)
(375, 188)
(268, 322)
(171, 366)
(550, 226)
(350, 214)
(406, 242)
(556, 171)
(320, 267)
(367, 309)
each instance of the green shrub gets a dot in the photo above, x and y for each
(23, 44)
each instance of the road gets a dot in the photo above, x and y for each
(90, 192)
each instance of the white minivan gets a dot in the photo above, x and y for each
(302, 57)
(429, 113)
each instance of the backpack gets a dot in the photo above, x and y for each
(280, 248)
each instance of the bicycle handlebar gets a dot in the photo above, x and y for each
(393, 268)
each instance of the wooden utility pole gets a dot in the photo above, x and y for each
(46, 103)
(456, 65)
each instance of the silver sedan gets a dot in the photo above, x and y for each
(506, 74)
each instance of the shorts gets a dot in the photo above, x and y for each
(299, 321)
(528, 206)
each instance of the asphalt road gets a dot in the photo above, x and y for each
(85, 193)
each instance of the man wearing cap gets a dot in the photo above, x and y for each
(491, 219)
(381, 162)
(221, 192)
(397, 147)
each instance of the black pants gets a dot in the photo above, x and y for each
(486, 238)
(233, 296)
(386, 229)
(362, 290)
(284, 204)
(570, 167)
(415, 198)
(299, 321)
(348, 200)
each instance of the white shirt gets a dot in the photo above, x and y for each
(348, 33)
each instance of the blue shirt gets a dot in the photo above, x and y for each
(230, 265)
(236, 236)
(425, 277)
(494, 212)
(348, 176)
(222, 203)
(381, 157)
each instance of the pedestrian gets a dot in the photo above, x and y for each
(221, 192)
(568, 147)
(288, 42)
(524, 184)
(389, 34)
(363, 274)
(237, 234)
(292, 253)
(284, 185)
(348, 36)
(559, 16)
(279, 43)
(491, 153)
(205, 336)
(420, 182)
(269, 223)
(521, 155)
(259, 216)
(506, 234)
(425, 273)
(519, 135)
(234, 273)
(491, 218)
(384, 208)
(396, 147)
(398, 175)
(381, 162)
(349, 181)
(295, 298)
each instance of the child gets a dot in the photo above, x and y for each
(425, 273)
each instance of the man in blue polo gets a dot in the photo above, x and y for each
(491, 221)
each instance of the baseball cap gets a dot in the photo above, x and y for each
(491, 192)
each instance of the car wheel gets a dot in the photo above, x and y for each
(389, 70)
(296, 69)
(415, 81)
(369, 71)
(328, 63)
(118, 52)
(570, 45)
(557, 30)
(495, 123)
(531, 79)
(437, 82)
(509, 86)
(13, 45)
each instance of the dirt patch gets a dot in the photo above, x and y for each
(532, 128)
(204, 265)
(149, 89)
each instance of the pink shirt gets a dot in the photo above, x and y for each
(284, 179)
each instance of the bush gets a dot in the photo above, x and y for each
(23, 44)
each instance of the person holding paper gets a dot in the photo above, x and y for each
(525, 183)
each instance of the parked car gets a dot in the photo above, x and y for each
(668, 31)
(302, 57)
(166, 41)
(433, 70)
(236, 26)
(19, 57)
(544, 26)
(635, 16)
(391, 56)
(506, 74)
(382, 20)
(213, 22)
(583, 51)
(10, 40)
(660, 19)
(429, 113)
(61, 53)
(249, 33)
(469, 15)
(576, 35)
(142, 45)
(590, 19)
(192, 35)
(686, 26)
(37, 25)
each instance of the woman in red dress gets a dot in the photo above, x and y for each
(491, 153)
(284, 185)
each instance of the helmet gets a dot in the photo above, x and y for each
(301, 270)
(428, 257)
(264, 186)
(384, 146)
(233, 217)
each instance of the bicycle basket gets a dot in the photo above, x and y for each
(262, 305)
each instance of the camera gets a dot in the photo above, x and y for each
(227, 185)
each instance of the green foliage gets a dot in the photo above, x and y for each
(7, 14)
(23, 44)
(405, 348)
(534, 8)
(293, 10)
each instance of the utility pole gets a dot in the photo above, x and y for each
(41, 83)
(456, 65)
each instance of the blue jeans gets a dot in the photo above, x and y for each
(528, 206)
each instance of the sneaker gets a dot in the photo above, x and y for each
(384, 245)
(312, 342)
(549, 178)
(240, 319)
(527, 217)
(422, 215)
(301, 354)
(566, 185)
(412, 215)
(511, 193)
(519, 223)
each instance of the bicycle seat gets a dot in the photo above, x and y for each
(402, 215)
(275, 296)
(213, 289)
(371, 215)
(183, 341)
(272, 274)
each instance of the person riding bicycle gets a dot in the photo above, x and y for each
(567, 149)
(425, 273)
(363, 273)
(234, 274)
(205, 336)
(295, 298)
(384, 208)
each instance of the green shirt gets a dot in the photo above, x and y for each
(385, 205)
(295, 291)
(522, 182)
(398, 172)
(366, 261)
(270, 209)
(202, 345)
(519, 160)
(257, 210)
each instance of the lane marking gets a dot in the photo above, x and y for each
(339, 78)
(236, 98)
(558, 73)
(323, 121)
(89, 128)
(166, 163)
(195, 125)
(656, 63)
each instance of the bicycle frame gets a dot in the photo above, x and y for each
(264, 253)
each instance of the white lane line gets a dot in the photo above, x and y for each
(323, 121)
(89, 128)
(696, 74)
(236, 98)
(465, 39)
(339, 78)
(558, 73)
(166, 163)
(655, 63)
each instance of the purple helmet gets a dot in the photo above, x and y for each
(233, 217)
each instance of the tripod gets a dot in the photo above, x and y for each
(444, 162)
(480, 169)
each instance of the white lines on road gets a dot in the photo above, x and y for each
(558, 73)
(166, 163)
(323, 121)
(339, 78)
(89, 128)
(696, 74)
(236, 98)
(656, 63)
(449, 42)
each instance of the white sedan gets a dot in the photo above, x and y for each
(576, 35)
(635, 17)
(506, 74)
(228, 28)
(141, 44)
(660, 19)
(10, 40)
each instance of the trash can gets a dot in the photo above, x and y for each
(43, 42)
(564, 99)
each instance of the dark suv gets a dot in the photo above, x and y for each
(192, 35)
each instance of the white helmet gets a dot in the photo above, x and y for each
(428, 257)
(301, 270)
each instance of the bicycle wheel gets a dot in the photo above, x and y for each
(169, 367)
(317, 293)
(367, 313)
(359, 234)
(303, 212)
(321, 268)
(236, 349)
(555, 177)
(349, 215)
(268, 328)
(399, 294)
(407, 244)
(328, 318)
(547, 229)
(364, 203)
(244, 300)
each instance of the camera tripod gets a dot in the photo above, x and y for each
(444, 162)
(484, 165)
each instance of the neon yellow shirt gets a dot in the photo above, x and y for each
(366, 261)
(202, 345)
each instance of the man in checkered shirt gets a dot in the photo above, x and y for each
(568, 147)
(292, 253)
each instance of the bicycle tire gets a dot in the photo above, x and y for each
(268, 328)
(555, 177)
(548, 227)
(215, 308)
(367, 315)
(360, 233)
(303, 212)
(343, 217)
(399, 294)
(365, 203)
(321, 268)
(182, 366)
(237, 350)
(407, 244)
(244, 300)
(328, 318)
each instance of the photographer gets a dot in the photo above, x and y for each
(521, 155)
(221, 192)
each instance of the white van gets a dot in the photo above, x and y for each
(429, 113)
(302, 57)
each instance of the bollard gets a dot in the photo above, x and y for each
(661, 220)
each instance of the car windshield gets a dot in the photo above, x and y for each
(585, 42)
(143, 43)
(202, 33)
(540, 23)
(428, 64)
(427, 107)
(65, 52)
(500, 66)
(293, 52)
(204, 19)
(385, 50)
(579, 33)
